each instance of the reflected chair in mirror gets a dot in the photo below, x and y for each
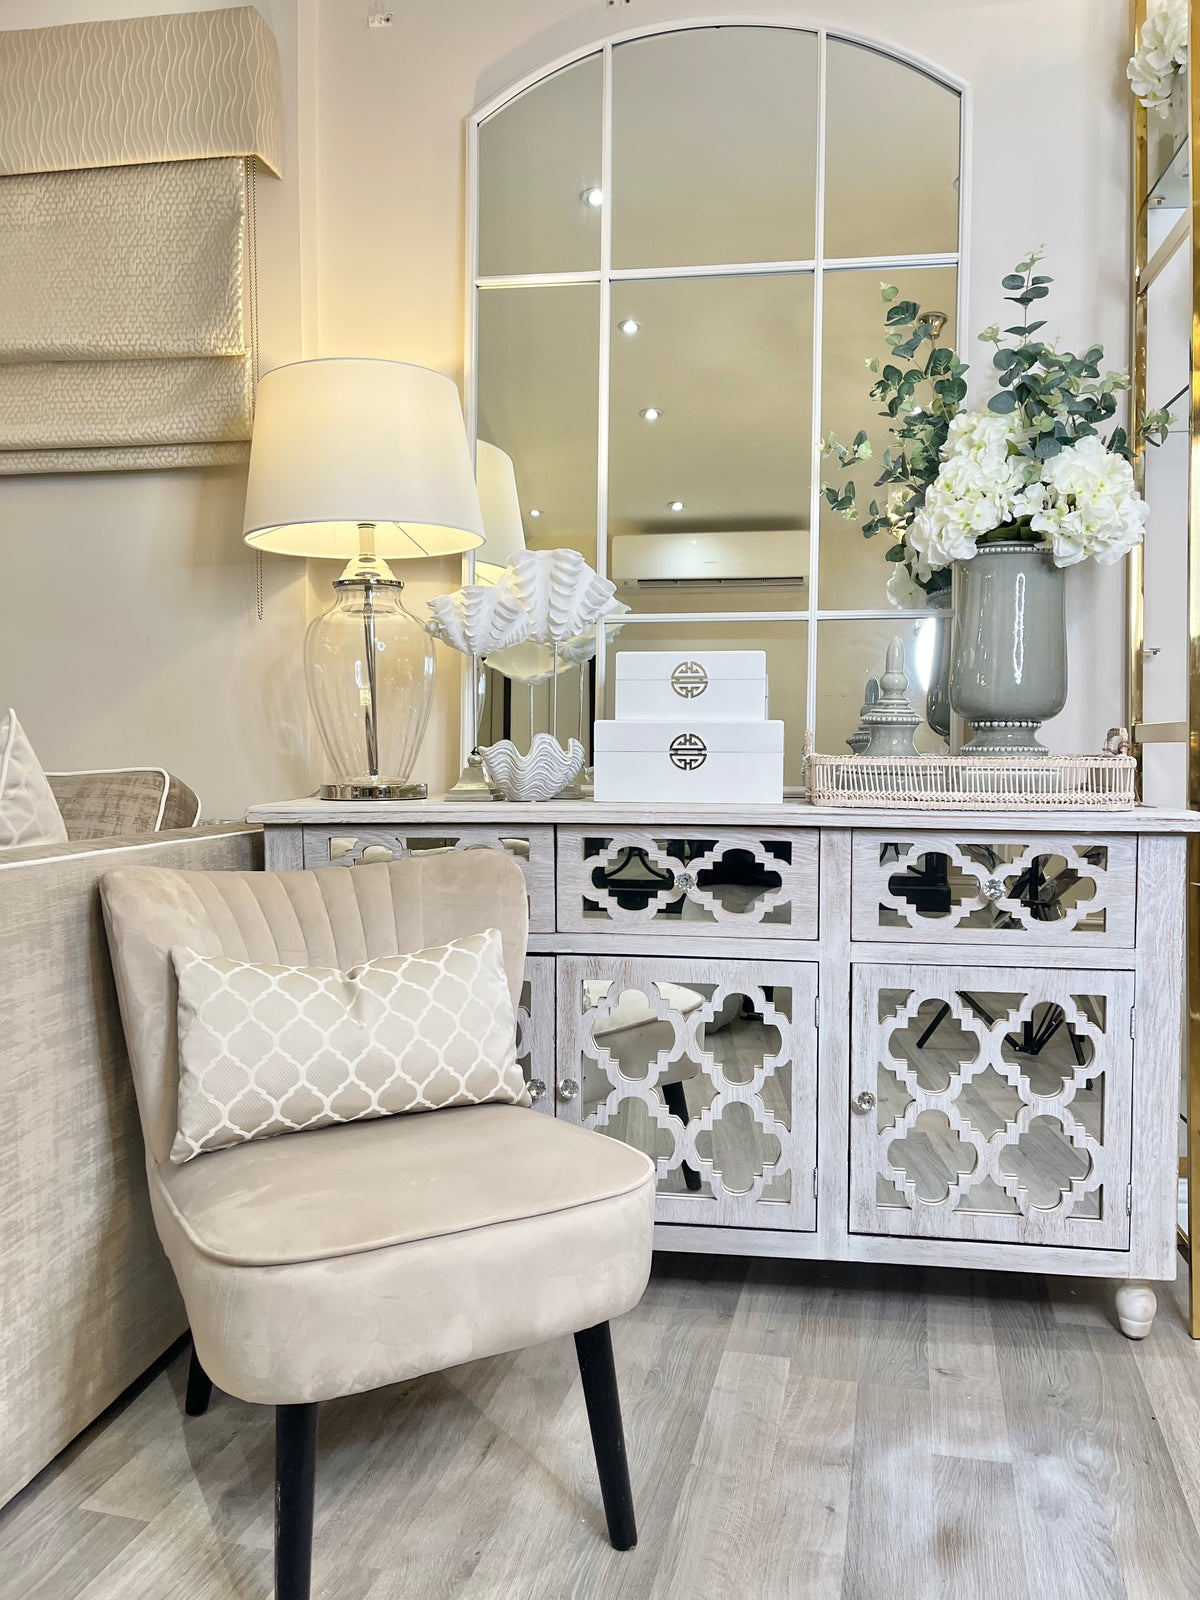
(328, 1262)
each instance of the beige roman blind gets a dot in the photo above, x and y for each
(128, 152)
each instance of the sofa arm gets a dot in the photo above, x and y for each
(87, 1300)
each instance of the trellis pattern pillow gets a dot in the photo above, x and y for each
(268, 1050)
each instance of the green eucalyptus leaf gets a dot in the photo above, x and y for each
(1003, 403)
(1014, 280)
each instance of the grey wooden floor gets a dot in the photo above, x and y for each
(826, 1432)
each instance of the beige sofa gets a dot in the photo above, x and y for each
(87, 1300)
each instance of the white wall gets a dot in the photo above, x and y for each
(129, 631)
(147, 649)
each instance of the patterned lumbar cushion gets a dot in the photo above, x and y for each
(29, 813)
(269, 1050)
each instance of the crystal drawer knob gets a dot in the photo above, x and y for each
(568, 1089)
(993, 889)
(863, 1102)
(536, 1088)
(685, 882)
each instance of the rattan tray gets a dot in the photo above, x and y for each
(1100, 783)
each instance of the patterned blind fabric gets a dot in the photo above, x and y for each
(169, 88)
(125, 326)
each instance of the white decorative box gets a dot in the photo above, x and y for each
(709, 763)
(715, 685)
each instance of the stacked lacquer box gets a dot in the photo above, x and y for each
(690, 728)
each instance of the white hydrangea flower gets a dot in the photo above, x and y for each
(1090, 505)
(903, 590)
(974, 490)
(1162, 50)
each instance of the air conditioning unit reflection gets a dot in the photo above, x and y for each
(774, 560)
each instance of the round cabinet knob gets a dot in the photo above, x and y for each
(536, 1088)
(685, 882)
(568, 1089)
(863, 1102)
(993, 889)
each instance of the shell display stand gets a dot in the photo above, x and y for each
(921, 1036)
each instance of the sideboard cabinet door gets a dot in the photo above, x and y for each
(535, 1031)
(710, 1068)
(992, 1104)
(745, 882)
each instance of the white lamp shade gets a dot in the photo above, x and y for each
(339, 442)
(501, 507)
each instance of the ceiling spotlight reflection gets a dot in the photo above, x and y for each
(593, 197)
(629, 327)
(534, 512)
(651, 413)
(675, 505)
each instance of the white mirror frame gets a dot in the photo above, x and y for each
(605, 275)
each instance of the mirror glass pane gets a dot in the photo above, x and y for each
(853, 570)
(714, 147)
(850, 652)
(539, 357)
(710, 412)
(786, 646)
(891, 157)
(538, 158)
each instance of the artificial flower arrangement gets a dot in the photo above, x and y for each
(1033, 467)
(1161, 54)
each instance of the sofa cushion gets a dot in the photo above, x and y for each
(123, 803)
(266, 1050)
(29, 813)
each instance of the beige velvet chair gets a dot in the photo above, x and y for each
(325, 1263)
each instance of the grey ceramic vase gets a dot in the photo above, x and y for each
(1009, 672)
(937, 698)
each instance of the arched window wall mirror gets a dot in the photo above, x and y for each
(676, 251)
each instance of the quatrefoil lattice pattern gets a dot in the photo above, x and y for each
(720, 882)
(994, 1103)
(531, 848)
(993, 889)
(709, 1066)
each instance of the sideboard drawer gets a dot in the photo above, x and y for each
(723, 881)
(531, 848)
(994, 888)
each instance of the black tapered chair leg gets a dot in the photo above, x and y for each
(295, 1482)
(594, 1349)
(199, 1388)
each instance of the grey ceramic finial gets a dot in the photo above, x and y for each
(861, 737)
(891, 722)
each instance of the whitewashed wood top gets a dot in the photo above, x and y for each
(790, 814)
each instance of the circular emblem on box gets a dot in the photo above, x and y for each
(689, 679)
(688, 751)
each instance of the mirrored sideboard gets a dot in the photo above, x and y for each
(858, 1035)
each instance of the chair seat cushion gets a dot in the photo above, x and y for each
(343, 1190)
(338, 1261)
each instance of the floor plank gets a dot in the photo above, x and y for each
(796, 1431)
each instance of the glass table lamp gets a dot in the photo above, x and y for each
(364, 461)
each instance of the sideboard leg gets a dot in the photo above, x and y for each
(1136, 1305)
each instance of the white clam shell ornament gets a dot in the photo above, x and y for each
(546, 771)
(552, 596)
